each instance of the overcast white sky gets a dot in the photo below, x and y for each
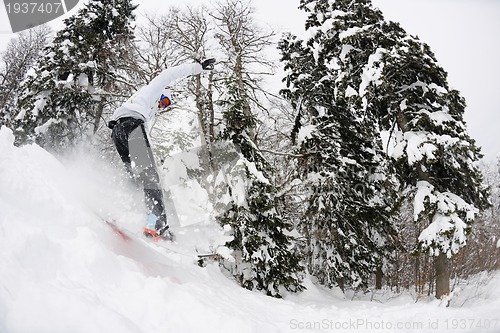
(462, 33)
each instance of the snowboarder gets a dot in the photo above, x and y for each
(132, 143)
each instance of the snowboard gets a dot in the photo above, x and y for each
(171, 246)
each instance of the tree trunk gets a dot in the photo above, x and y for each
(98, 115)
(378, 278)
(206, 152)
(238, 72)
(442, 275)
(341, 284)
(210, 106)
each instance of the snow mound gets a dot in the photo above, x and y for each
(64, 270)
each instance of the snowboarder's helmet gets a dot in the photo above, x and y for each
(164, 102)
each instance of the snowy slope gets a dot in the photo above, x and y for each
(63, 270)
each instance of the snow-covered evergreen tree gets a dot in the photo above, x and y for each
(392, 80)
(267, 258)
(266, 253)
(434, 155)
(347, 224)
(64, 97)
(20, 55)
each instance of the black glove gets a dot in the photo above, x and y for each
(207, 64)
(112, 124)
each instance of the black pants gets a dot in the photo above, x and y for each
(131, 141)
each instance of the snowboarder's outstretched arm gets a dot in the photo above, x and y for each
(149, 94)
(145, 101)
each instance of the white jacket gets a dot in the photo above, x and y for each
(144, 103)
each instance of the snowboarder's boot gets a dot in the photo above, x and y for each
(157, 229)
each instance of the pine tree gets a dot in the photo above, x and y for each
(347, 224)
(20, 55)
(64, 99)
(267, 257)
(269, 260)
(434, 156)
(382, 75)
